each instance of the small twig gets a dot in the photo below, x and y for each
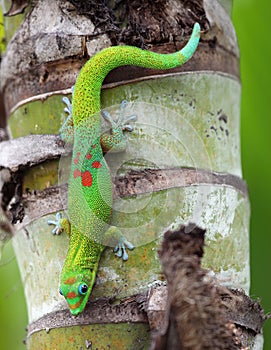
(195, 318)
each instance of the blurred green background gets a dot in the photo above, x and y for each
(251, 20)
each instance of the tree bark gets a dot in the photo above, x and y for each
(182, 163)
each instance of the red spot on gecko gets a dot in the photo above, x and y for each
(76, 173)
(71, 295)
(86, 179)
(89, 156)
(75, 306)
(94, 146)
(96, 164)
(76, 160)
(70, 280)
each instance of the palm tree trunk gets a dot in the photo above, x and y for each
(182, 162)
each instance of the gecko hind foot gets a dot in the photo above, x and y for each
(123, 122)
(120, 248)
(68, 103)
(66, 131)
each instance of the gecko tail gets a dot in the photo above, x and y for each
(86, 98)
(188, 50)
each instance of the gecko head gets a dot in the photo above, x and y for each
(76, 289)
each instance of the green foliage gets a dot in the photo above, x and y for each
(13, 316)
(251, 20)
(2, 32)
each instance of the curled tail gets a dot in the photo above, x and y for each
(86, 99)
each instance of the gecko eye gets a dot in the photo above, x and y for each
(60, 291)
(82, 289)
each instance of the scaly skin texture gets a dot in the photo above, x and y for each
(90, 186)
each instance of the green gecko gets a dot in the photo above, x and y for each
(90, 185)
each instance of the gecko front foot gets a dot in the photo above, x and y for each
(120, 248)
(61, 224)
(113, 235)
(57, 223)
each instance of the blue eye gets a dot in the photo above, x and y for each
(82, 289)
(60, 291)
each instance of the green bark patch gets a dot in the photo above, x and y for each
(102, 336)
